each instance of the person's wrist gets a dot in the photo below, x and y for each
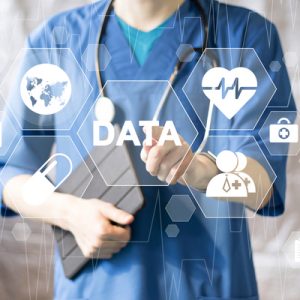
(68, 210)
(200, 171)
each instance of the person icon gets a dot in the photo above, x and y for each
(242, 164)
(232, 182)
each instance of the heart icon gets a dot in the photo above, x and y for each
(229, 90)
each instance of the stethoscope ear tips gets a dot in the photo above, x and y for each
(104, 110)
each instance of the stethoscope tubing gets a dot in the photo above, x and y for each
(174, 74)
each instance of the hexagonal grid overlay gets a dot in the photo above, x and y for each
(21, 232)
(291, 250)
(180, 208)
(238, 84)
(49, 167)
(185, 53)
(280, 133)
(172, 230)
(45, 94)
(88, 57)
(137, 101)
(220, 206)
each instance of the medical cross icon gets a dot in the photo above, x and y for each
(284, 133)
(247, 181)
(236, 184)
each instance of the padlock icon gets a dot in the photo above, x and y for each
(284, 132)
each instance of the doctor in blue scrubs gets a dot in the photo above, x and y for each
(211, 257)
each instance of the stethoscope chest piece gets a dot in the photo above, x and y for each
(104, 110)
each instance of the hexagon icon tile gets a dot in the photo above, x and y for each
(236, 82)
(21, 232)
(233, 181)
(275, 66)
(280, 133)
(143, 96)
(50, 167)
(180, 208)
(172, 230)
(291, 249)
(45, 94)
(185, 53)
(89, 54)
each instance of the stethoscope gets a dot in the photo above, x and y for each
(105, 110)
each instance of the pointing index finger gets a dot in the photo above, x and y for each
(153, 132)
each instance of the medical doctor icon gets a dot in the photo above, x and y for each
(232, 182)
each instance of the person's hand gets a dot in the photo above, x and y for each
(90, 221)
(168, 162)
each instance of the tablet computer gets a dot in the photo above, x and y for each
(124, 193)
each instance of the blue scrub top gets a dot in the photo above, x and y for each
(211, 257)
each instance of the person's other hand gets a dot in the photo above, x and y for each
(167, 162)
(94, 224)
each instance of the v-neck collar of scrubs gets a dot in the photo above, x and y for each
(162, 59)
(141, 42)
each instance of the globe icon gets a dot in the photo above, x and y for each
(46, 89)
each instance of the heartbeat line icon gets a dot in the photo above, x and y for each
(224, 96)
(234, 87)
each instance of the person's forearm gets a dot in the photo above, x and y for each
(202, 170)
(92, 223)
(54, 211)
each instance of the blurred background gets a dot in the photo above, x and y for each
(26, 248)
